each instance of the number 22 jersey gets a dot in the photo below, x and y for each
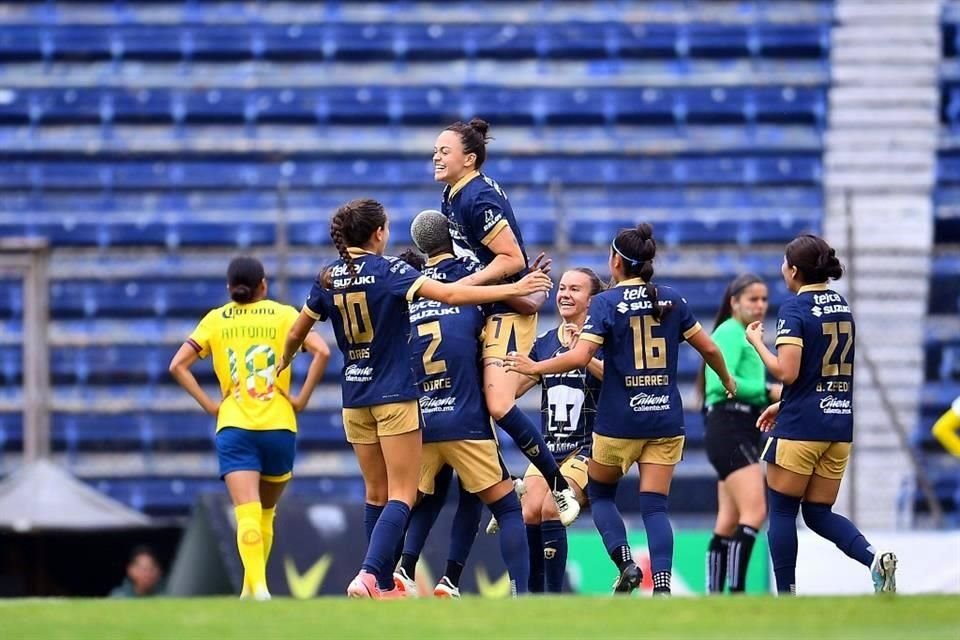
(368, 311)
(639, 398)
(818, 405)
(246, 341)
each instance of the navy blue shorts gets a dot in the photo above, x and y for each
(269, 452)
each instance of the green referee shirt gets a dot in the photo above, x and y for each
(744, 365)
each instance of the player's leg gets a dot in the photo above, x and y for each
(422, 518)
(554, 534)
(374, 472)
(277, 451)
(656, 462)
(536, 493)
(610, 459)
(463, 532)
(746, 487)
(723, 530)
(270, 492)
(817, 510)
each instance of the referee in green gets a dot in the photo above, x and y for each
(732, 437)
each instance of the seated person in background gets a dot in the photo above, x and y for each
(144, 576)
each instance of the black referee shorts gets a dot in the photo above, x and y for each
(732, 438)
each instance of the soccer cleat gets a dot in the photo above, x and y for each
(567, 506)
(392, 594)
(261, 594)
(629, 579)
(884, 573)
(405, 583)
(364, 586)
(445, 589)
(519, 488)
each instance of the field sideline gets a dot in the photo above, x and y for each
(873, 618)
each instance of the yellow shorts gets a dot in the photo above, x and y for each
(573, 468)
(366, 425)
(477, 463)
(808, 457)
(506, 332)
(623, 452)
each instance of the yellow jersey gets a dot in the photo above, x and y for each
(246, 342)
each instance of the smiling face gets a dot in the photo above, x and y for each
(450, 163)
(573, 296)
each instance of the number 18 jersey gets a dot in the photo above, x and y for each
(639, 397)
(246, 341)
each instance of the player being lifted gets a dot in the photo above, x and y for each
(809, 446)
(365, 295)
(639, 414)
(256, 425)
(568, 408)
(483, 226)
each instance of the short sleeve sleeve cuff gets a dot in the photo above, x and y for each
(494, 232)
(692, 331)
(797, 342)
(415, 287)
(592, 337)
(310, 312)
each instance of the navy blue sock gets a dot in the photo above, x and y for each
(608, 520)
(422, 518)
(528, 437)
(466, 523)
(513, 540)
(653, 508)
(782, 536)
(554, 554)
(824, 522)
(371, 513)
(535, 545)
(384, 541)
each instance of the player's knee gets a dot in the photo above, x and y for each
(531, 512)
(813, 513)
(376, 494)
(754, 515)
(498, 405)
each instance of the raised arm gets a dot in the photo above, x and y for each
(784, 365)
(459, 294)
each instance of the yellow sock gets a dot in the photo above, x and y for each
(266, 530)
(250, 544)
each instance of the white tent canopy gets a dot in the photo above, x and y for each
(42, 496)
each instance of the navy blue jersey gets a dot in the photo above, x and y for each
(568, 401)
(819, 404)
(369, 317)
(446, 349)
(477, 210)
(639, 397)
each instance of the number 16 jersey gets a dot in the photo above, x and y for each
(639, 398)
(246, 341)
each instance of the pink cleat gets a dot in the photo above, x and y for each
(364, 586)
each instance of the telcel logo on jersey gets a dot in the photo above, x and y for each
(650, 402)
(344, 276)
(356, 373)
(831, 404)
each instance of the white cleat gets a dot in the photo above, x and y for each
(519, 488)
(445, 589)
(567, 506)
(884, 572)
(261, 594)
(405, 583)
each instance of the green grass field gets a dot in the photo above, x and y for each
(473, 619)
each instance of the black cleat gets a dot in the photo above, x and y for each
(630, 578)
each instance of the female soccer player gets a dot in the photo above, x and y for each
(732, 438)
(568, 407)
(255, 414)
(365, 294)
(482, 225)
(639, 414)
(808, 450)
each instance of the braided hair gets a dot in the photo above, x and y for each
(637, 248)
(351, 226)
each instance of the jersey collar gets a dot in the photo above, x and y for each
(631, 282)
(820, 286)
(461, 183)
(358, 252)
(437, 259)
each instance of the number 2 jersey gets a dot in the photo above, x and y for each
(477, 210)
(246, 341)
(368, 310)
(568, 401)
(639, 397)
(446, 352)
(819, 404)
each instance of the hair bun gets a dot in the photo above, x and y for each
(645, 229)
(480, 126)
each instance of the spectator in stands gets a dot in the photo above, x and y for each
(732, 439)
(144, 576)
(947, 429)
